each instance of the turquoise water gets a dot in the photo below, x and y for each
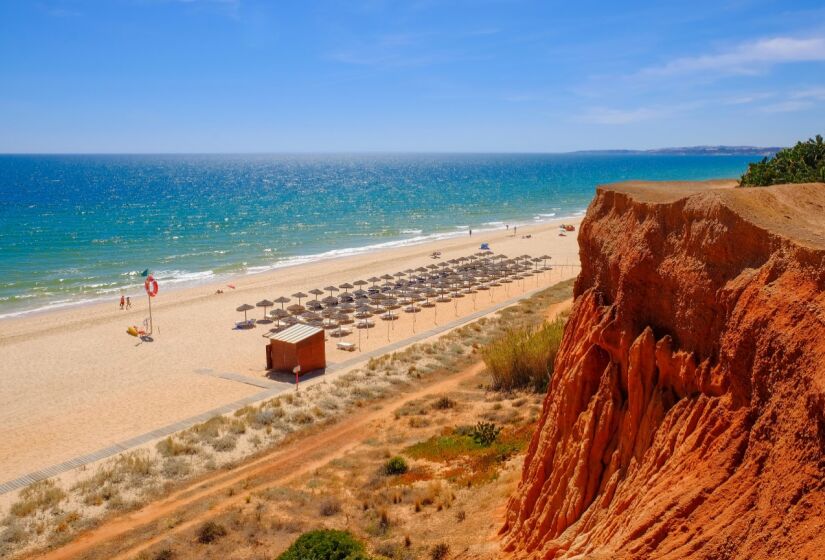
(80, 228)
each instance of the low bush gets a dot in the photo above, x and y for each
(210, 531)
(395, 466)
(439, 551)
(523, 358)
(444, 403)
(325, 545)
(175, 467)
(330, 507)
(225, 443)
(485, 433)
(164, 554)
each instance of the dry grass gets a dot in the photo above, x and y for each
(523, 357)
(39, 496)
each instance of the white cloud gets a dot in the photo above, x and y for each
(746, 58)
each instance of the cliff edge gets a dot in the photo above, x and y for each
(686, 417)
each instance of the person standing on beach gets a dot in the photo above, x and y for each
(128, 303)
(471, 232)
(122, 302)
(515, 229)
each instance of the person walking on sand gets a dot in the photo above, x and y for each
(122, 302)
(128, 302)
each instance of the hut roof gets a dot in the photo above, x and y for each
(295, 333)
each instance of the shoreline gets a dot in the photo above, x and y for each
(222, 278)
(11, 325)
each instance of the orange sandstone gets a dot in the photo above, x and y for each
(686, 418)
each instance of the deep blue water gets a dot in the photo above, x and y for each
(77, 228)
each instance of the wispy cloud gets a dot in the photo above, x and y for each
(787, 106)
(800, 100)
(746, 58)
(393, 50)
(608, 116)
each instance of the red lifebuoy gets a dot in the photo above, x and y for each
(151, 286)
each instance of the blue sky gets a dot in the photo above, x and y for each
(420, 75)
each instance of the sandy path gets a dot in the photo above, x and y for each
(72, 382)
(300, 456)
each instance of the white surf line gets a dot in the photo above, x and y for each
(170, 429)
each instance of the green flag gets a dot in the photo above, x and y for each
(145, 272)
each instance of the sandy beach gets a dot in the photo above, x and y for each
(72, 381)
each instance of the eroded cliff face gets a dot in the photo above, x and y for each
(685, 418)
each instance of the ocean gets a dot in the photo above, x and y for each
(81, 228)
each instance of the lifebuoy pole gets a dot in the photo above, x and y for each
(151, 327)
(151, 286)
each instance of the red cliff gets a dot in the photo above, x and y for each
(686, 416)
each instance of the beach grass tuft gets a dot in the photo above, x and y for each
(523, 358)
(39, 496)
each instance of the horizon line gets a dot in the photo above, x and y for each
(403, 152)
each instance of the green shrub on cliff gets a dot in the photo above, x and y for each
(523, 358)
(325, 545)
(804, 163)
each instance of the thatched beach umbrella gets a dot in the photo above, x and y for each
(299, 296)
(346, 286)
(282, 300)
(331, 289)
(264, 303)
(545, 258)
(296, 309)
(374, 279)
(316, 292)
(244, 308)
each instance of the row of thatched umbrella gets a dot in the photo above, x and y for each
(439, 281)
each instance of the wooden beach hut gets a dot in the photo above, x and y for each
(299, 345)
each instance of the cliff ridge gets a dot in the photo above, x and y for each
(685, 418)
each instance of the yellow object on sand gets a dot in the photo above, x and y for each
(132, 331)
